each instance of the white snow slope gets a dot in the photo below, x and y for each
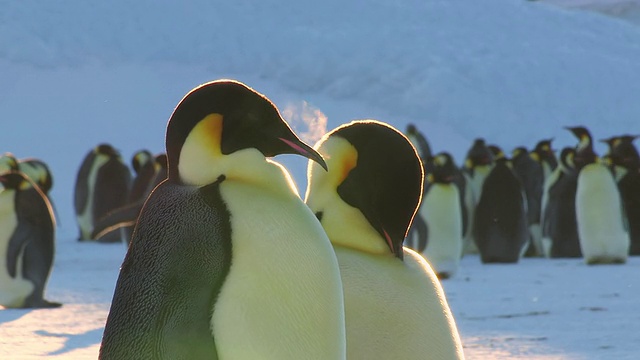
(76, 73)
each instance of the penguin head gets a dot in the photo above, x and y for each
(373, 186)
(622, 152)
(443, 170)
(497, 152)
(478, 154)
(14, 180)
(140, 159)
(584, 154)
(220, 118)
(8, 162)
(567, 164)
(543, 151)
(107, 150)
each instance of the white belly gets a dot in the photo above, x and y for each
(441, 209)
(13, 291)
(395, 309)
(599, 214)
(282, 298)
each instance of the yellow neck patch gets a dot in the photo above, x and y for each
(200, 150)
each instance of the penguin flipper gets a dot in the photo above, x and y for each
(15, 251)
(177, 261)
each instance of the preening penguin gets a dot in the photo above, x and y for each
(559, 225)
(395, 306)
(500, 222)
(599, 211)
(27, 230)
(36, 169)
(226, 261)
(625, 161)
(102, 185)
(441, 210)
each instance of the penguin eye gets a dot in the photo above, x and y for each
(319, 215)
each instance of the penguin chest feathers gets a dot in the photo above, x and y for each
(283, 293)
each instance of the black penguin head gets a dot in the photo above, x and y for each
(478, 154)
(567, 160)
(496, 151)
(375, 170)
(8, 162)
(622, 152)
(543, 150)
(230, 116)
(14, 180)
(444, 169)
(585, 154)
(106, 149)
(140, 159)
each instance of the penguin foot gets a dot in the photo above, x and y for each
(603, 260)
(443, 275)
(41, 304)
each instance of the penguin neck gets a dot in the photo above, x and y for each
(345, 225)
(247, 166)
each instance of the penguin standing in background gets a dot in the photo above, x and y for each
(543, 154)
(27, 231)
(102, 184)
(530, 173)
(124, 218)
(418, 233)
(558, 217)
(226, 261)
(477, 165)
(599, 211)
(144, 166)
(442, 211)
(625, 160)
(394, 304)
(500, 223)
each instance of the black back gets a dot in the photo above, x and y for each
(500, 223)
(531, 175)
(560, 222)
(171, 277)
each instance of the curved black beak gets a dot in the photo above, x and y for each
(305, 150)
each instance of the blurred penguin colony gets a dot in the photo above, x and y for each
(534, 203)
(367, 197)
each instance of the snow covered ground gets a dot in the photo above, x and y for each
(78, 73)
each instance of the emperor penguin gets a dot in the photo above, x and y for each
(531, 175)
(123, 219)
(442, 211)
(144, 167)
(558, 211)
(544, 154)
(27, 230)
(625, 161)
(102, 184)
(395, 306)
(600, 216)
(477, 165)
(500, 223)
(226, 261)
